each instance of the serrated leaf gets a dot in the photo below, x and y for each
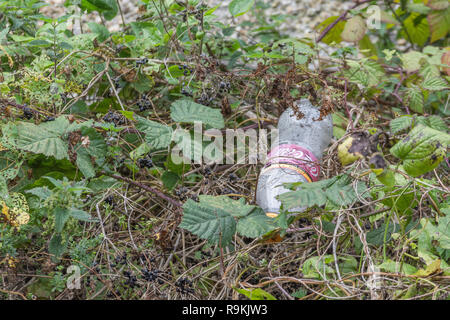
(157, 135)
(169, 179)
(44, 138)
(235, 208)
(256, 224)
(434, 122)
(434, 83)
(56, 247)
(438, 4)
(84, 163)
(417, 29)
(439, 22)
(401, 123)
(208, 222)
(414, 98)
(81, 215)
(354, 29)
(61, 216)
(345, 195)
(302, 198)
(422, 150)
(188, 111)
(411, 60)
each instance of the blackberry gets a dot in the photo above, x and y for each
(233, 177)
(181, 193)
(185, 92)
(115, 118)
(143, 104)
(145, 162)
(49, 119)
(194, 197)
(224, 86)
(227, 191)
(27, 113)
(184, 285)
(141, 61)
(110, 200)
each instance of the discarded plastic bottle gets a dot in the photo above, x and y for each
(295, 158)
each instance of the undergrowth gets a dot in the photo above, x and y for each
(89, 184)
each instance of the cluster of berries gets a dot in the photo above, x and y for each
(141, 61)
(117, 83)
(205, 99)
(185, 69)
(131, 280)
(224, 86)
(184, 286)
(186, 92)
(48, 118)
(121, 259)
(151, 276)
(115, 118)
(143, 103)
(233, 177)
(27, 113)
(181, 193)
(145, 162)
(110, 200)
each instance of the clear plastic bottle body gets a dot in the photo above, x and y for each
(309, 137)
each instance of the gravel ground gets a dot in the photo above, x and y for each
(305, 13)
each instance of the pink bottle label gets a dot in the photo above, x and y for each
(295, 155)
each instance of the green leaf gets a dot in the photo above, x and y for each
(157, 135)
(414, 98)
(345, 195)
(434, 122)
(240, 7)
(439, 22)
(101, 31)
(376, 237)
(61, 216)
(44, 138)
(143, 149)
(81, 215)
(302, 198)
(235, 208)
(394, 267)
(84, 163)
(422, 150)
(316, 267)
(417, 28)
(108, 8)
(56, 247)
(208, 222)
(170, 179)
(188, 111)
(256, 294)
(338, 190)
(255, 224)
(434, 83)
(334, 34)
(400, 123)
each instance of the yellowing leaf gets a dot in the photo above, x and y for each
(18, 213)
(433, 267)
(354, 29)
